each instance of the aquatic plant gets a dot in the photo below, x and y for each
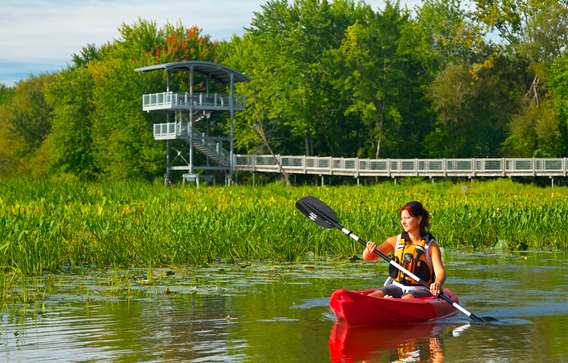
(50, 225)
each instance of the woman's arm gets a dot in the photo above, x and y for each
(386, 247)
(439, 269)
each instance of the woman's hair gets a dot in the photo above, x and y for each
(416, 209)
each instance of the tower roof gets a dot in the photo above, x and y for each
(218, 71)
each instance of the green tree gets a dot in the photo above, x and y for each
(26, 122)
(261, 116)
(86, 55)
(121, 133)
(535, 133)
(286, 53)
(123, 146)
(441, 34)
(9, 143)
(30, 115)
(473, 109)
(6, 93)
(535, 31)
(70, 141)
(536, 28)
(559, 90)
(383, 75)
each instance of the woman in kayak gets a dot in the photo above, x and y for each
(417, 251)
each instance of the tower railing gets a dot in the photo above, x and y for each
(211, 146)
(183, 101)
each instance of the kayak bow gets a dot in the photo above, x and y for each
(357, 308)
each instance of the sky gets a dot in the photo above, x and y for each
(38, 36)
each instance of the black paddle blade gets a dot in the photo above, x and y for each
(482, 319)
(317, 211)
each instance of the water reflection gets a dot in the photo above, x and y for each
(280, 313)
(405, 343)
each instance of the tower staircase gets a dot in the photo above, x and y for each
(191, 110)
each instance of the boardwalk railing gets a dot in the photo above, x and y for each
(404, 167)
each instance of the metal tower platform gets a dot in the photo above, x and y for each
(188, 109)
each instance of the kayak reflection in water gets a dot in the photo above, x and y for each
(399, 343)
(416, 250)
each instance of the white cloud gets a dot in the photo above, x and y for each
(50, 31)
(54, 30)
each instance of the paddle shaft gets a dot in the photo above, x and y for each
(408, 273)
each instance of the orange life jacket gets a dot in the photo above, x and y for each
(415, 257)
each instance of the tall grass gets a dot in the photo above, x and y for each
(45, 225)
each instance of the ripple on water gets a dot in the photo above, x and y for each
(237, 313)
(312, 303)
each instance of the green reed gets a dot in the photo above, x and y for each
(47, 225)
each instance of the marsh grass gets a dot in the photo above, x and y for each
(53, 225)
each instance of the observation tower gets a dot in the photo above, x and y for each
(187, 119)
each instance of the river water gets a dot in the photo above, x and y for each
(278, 313)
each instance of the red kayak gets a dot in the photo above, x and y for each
(357, 308)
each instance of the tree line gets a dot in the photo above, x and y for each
(449, 78)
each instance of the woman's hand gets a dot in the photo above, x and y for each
(439, 270)
(368, 253)
(435, 288)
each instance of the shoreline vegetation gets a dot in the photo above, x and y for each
(52, 225)
(342, 78)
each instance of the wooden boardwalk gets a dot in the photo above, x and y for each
(355, 167)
